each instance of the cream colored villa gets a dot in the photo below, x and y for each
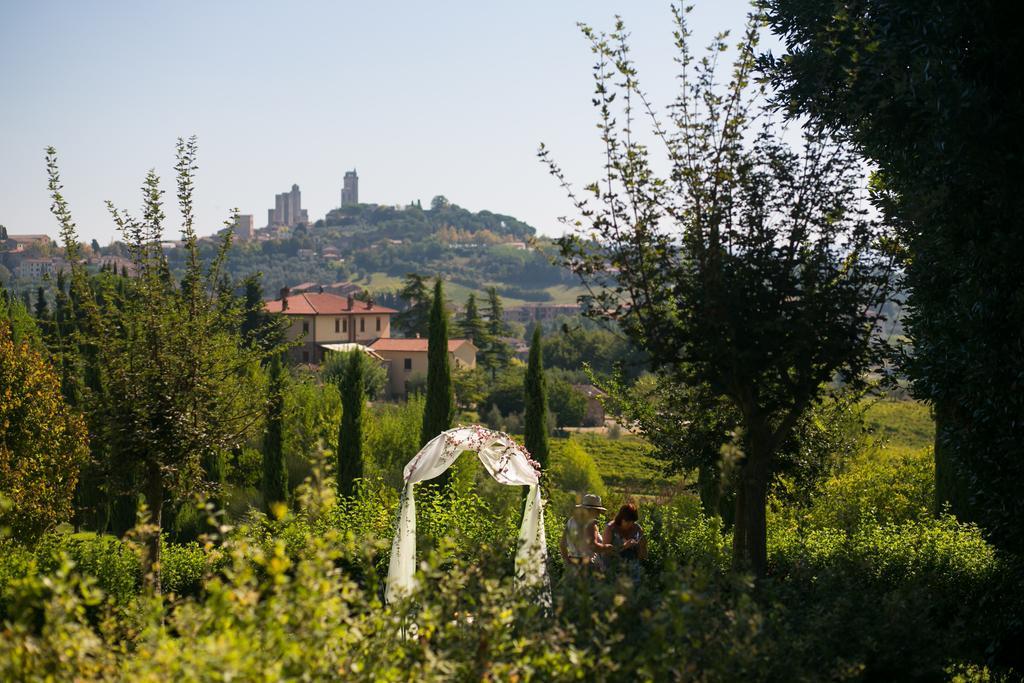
(318, 319)
(325, 322)
(407, 358)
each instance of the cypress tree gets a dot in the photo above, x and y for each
(275, 475)
(350, 434)
(42, 309)
(473, 326)
(439, 412)
(536, 412)
(497, 353)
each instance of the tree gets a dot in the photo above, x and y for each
(496, 352)
(3, 233)
(42, 308)
(350, 434)
(439, 203)
(178, 378)
(472, 326)
(928, 92)
(95, 247)
(375, 375)
(413, 321)
(275, 474)
(752, 269)
(536, 401)
(439, 412)
(43, 442)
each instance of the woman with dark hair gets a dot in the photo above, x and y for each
(626, 536)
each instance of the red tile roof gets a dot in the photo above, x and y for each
(412, 345)
(311, 303)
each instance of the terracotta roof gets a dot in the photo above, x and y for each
(412, 345)
(312, 303)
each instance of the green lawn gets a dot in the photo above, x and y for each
(901, 424)
(625, 464)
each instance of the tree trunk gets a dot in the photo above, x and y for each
(750, 532)
(155, 499)
(709, 485)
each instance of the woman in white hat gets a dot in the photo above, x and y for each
(582, 545)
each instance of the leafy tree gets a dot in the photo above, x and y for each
(751, 269)
(95, 247)
(565, 401)
(43, 442)
(350, 435)
(688, 426)
(439, 203)
(927, 90)
(22, 327)
(178, 377)
(536, 401)
(414, 320)
(275, 474)
(472, 326)
(470, 387)
(439, 412)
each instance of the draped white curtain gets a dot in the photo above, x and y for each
(506, 461)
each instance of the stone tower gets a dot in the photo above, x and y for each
(350, 190)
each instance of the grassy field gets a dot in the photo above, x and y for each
(627, 467)
(901, 424)
(625, 463)
(560, 294)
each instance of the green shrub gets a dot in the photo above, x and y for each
(113, 564)
(574, 470)
(182, 568)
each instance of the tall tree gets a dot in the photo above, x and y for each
(350, 433)
(42, 308)
(536, 402)
(275, 474)
(178, 377)
(414, 320)
(751, 269)
(496, 352)
(473, 326)
(439, 412)
(930, 92)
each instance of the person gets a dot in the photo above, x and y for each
(626, 537)
(582, 545)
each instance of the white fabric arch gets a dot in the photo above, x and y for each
(506, 461)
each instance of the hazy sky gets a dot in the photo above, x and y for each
(422, 98)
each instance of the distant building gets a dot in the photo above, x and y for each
(36, 268)
(407, 358)
(118, 264)
(243, 228)
(594, 414)
(287, 211)
(350, 189)
(538, 312)
(318, 318)
(28, 240)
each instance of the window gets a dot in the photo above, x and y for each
(378, 324)
(337, 324)
(305, 356)
(344, 325)
(408, 364)
(305, 326)
(362, 324)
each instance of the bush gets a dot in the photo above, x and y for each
(575, 471)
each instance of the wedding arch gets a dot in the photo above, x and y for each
(506, 461)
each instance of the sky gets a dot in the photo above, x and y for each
(421, 99)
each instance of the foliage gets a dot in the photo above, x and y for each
(177, 374)
(751, 268)
(43, 442)
(439, 411)
(472, 326)
(945, 137)
(495, 351)
(602, 350)
(375, 376)
(351, 387)
(275, 475)
(18, 321)
(576, 471)
(414, 320)
(392, 438)
(536, 402)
